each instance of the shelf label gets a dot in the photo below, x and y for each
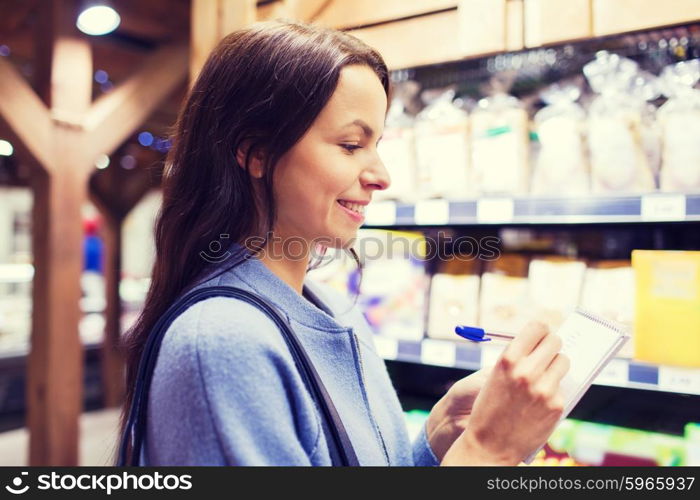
(386, 347)
(432, 212)
(615, 373)
(438, 352)
(675, 379)
(494, 210)
(380, 213)
(663, 207)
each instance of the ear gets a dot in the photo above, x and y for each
(256, 163)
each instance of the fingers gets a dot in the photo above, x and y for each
(551, 379)
(526, 341)
(540, 358)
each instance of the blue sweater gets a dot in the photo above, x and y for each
(225, 390)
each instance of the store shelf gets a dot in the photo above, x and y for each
(653, 207)
(16, 273)
(618, 373)
(21, 352)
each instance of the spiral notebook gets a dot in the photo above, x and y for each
(590, 342)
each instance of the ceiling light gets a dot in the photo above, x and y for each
(6, 148)
(98, 20)
(102, 161)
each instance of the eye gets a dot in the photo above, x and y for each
(350, 148)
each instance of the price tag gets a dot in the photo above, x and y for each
(494, 210)
(616, 373)
(663, 207)
(387, 348)
(438, 352)
(490, 354)
(432, 212)
(674, 379)
(380, 213)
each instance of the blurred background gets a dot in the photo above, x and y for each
(566, 134)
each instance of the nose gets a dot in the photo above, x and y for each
(376, 175)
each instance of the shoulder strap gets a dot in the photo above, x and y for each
(339, 444)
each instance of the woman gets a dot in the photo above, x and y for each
(275, 151)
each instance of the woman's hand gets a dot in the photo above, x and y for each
(519, 406)
(449, 416)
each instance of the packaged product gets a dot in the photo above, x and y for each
(618, 160)
(397, 151)
(555, 289)
(646, 87)
(510, 264)
(608, 291)
(334, 267)
(459, 264)
(442, 148)
(561, 167)
(503, 303)
(679, 120)
(454, 299)
(500, 144)
(394, 284)
(667, 307)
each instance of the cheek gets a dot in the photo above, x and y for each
(314, 179)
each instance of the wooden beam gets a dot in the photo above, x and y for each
(401, 48)
(235, 14)
(308, 10)
(270, 11)
(71, 67)
(211, 21)
(344, 14)
(115, 116)
(204, 33)
(25, 114)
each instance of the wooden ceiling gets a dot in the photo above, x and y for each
(145, 26)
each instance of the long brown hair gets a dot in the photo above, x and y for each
(260, 89)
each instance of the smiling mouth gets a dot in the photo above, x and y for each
(354, 207)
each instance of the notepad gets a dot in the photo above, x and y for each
(589, 342)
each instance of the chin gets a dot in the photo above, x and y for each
(339, 240)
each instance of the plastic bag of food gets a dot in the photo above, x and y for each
(561, 167)
(679, 120)
(442, 148)
(397, 151)
(618, 160)
(500, 143)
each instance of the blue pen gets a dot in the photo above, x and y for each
(476, 334)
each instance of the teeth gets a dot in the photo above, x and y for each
(355, 207)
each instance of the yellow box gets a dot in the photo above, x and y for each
(667, 304)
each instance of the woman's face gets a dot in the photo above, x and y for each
(335, 163)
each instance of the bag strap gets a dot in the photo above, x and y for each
(339, 444)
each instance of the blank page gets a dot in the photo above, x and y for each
(590, 343)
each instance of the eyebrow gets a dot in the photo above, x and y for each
(363, 125)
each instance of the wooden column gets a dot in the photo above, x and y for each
(115, 191)
(113, 376)
(55, 388)
(60, 139)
